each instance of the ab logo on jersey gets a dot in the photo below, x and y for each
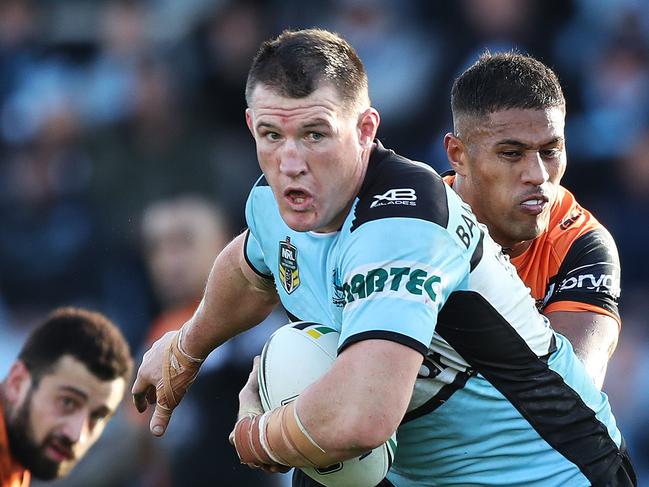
(289, 274)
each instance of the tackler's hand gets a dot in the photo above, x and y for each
(163, 378)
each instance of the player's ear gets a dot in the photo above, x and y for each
(249, 121)
(368, 124)
(18, 382)
(456, 152)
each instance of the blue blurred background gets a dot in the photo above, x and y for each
(110, 110)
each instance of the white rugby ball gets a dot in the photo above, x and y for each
(294, 357)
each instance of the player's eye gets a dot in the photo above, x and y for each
(68, 404)
(270, 135)
(315, 136)
(511, 154)
(550, 153)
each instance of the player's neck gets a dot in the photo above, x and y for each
(517, 249)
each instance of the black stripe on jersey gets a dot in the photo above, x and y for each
(470, 324)
(390, 185)
(590, 272)
(440, 398)
(261, 181)
(385, 335)
(245, 256)
(477, 253)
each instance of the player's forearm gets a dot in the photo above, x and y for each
(232, 303)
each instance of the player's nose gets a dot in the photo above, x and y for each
(535, 171)
(291, 163)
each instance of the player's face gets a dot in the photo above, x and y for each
(515, 162)
(57, 421)
(313, 152)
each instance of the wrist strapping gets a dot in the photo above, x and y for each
(278, 437)
(179, 370)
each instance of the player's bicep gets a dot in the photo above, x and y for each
(367, 389)
(252, 265)
(594, 337)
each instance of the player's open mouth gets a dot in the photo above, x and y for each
(535, 204)
(298, 199)
(59, 452)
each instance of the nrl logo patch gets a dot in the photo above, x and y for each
(289, 274)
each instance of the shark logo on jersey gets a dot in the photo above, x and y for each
(289, 273)
(399, 196)
(338, 298)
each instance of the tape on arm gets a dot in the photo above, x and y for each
(278, 437)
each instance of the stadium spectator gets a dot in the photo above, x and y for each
(181, 237)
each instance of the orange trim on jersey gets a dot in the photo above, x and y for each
(12, 474)
(578, 307)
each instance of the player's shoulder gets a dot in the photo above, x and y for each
(570, 222)
(260, 192)
(395, 186)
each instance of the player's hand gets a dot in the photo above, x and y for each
(249, 400)
(163, 378)
(250, 405)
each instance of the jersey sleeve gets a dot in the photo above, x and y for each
(589, 276)
(397, 274)
(252, 248)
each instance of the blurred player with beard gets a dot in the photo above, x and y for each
(59, 394)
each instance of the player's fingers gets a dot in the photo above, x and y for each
(151, 395)
(253, 377)
(141, 387)
(140, 402)
(160, 420)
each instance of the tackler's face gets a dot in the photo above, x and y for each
(515, 161)
(313, 152)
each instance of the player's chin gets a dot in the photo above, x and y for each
(303, 221)
(531, 232)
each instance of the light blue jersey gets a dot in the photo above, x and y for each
(500, 399)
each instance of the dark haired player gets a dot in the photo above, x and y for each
(65, 385)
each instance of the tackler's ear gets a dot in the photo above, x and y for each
(456, 153)
(18, 382)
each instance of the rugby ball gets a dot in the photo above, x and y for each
(294, 357)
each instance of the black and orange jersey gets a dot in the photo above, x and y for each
(574, 264)
(12, 474)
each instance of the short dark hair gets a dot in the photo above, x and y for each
(296, 62)
(88, 336)
(504, 81)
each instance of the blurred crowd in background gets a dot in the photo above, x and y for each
(125, 163)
